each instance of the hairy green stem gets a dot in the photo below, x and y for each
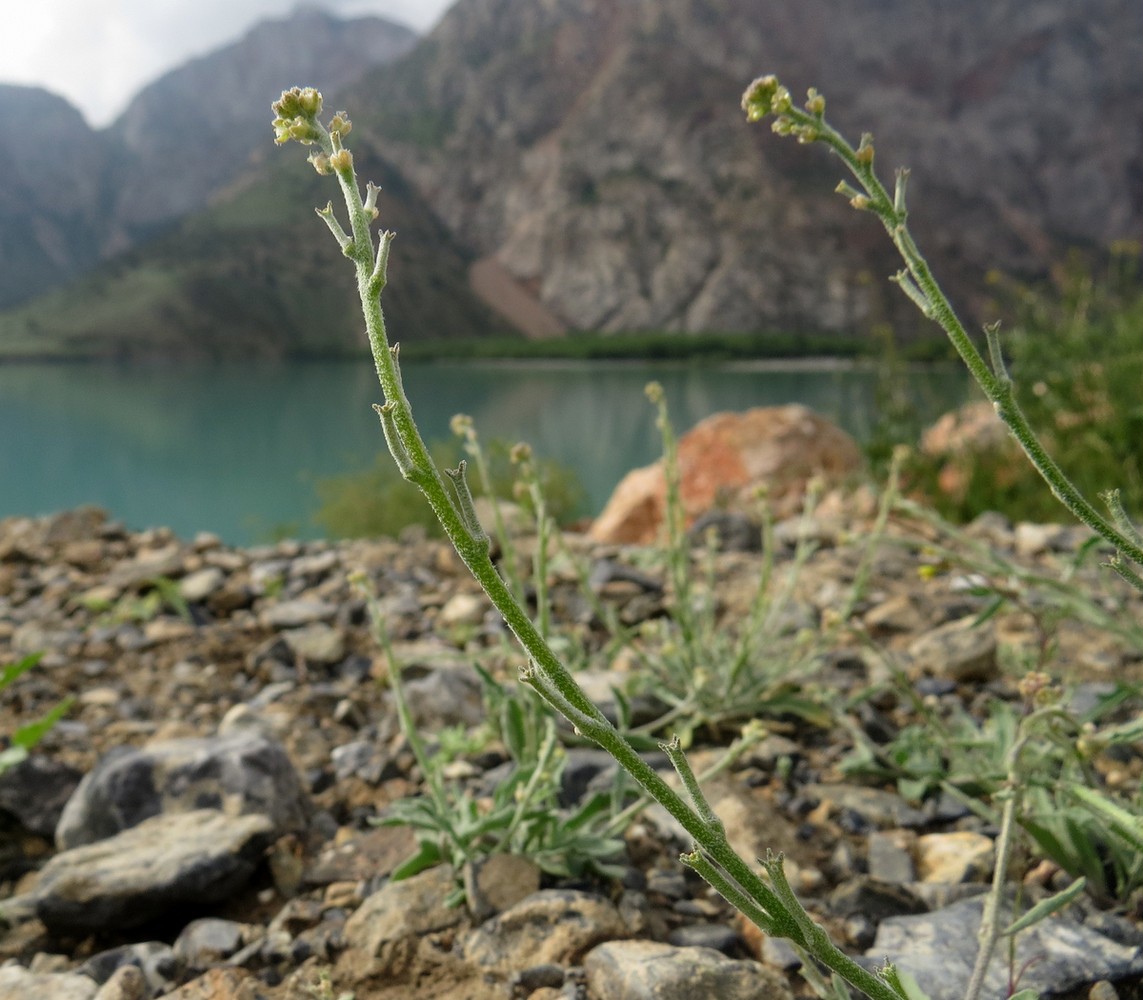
(989, 932)
(525, 798)
(463, 427)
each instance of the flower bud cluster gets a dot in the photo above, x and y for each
(341, 161)
(296, 114)
(298, 102)
(1037, 689)
(461, 425)
(320, 163)
(1089, 744)
(765, 96)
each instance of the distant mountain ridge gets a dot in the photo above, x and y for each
(203, 125)
(51, 192)
(584, 164)
(74, 195)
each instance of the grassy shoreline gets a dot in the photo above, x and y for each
(673, 346)
(775, 348)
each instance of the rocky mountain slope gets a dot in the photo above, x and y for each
(597, 151)
(204, 123)
(256, 274)
(72, 196)
(588, 165)
(50, 196)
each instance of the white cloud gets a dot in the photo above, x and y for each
(98, 53)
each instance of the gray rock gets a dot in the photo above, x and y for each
(549, 926)
(1086, 696)
(126, 983)
(881, 808)
(148, 565)
(717, 937)
(401, 910)
(670, 883)
(154, 962)
(648, 970)
(498, 882)
(208, 941)
(17, 983)
(960, 650)
(780, 954)
(361, 758)
(1056, 955)
(585, 768)
(318, 564)
(872, 898)
(35, 792)
(198, 586)
(302, 611)
(605, 571)
(316, 643)
(34, 637)
(446, 695)
(463, 609)
(733, 532)
(527, 981)
(163, 863)
(242, 772)
(888, 859)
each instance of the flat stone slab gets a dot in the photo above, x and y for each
(649, 970)
(1056, 955)
(163, 863)
(238, 772)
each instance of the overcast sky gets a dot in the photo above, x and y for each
(98, 53)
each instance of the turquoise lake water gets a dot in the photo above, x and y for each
(237, 449)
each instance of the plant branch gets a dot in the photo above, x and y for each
(767, 97)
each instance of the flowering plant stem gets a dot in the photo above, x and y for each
(771, 905)
(766, 97)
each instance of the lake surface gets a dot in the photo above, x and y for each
(237, 449)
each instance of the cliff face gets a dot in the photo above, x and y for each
(595, 148)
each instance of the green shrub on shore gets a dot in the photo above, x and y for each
(1076, 357)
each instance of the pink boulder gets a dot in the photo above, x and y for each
(960, 438)
(974, 427)
(723, 460)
